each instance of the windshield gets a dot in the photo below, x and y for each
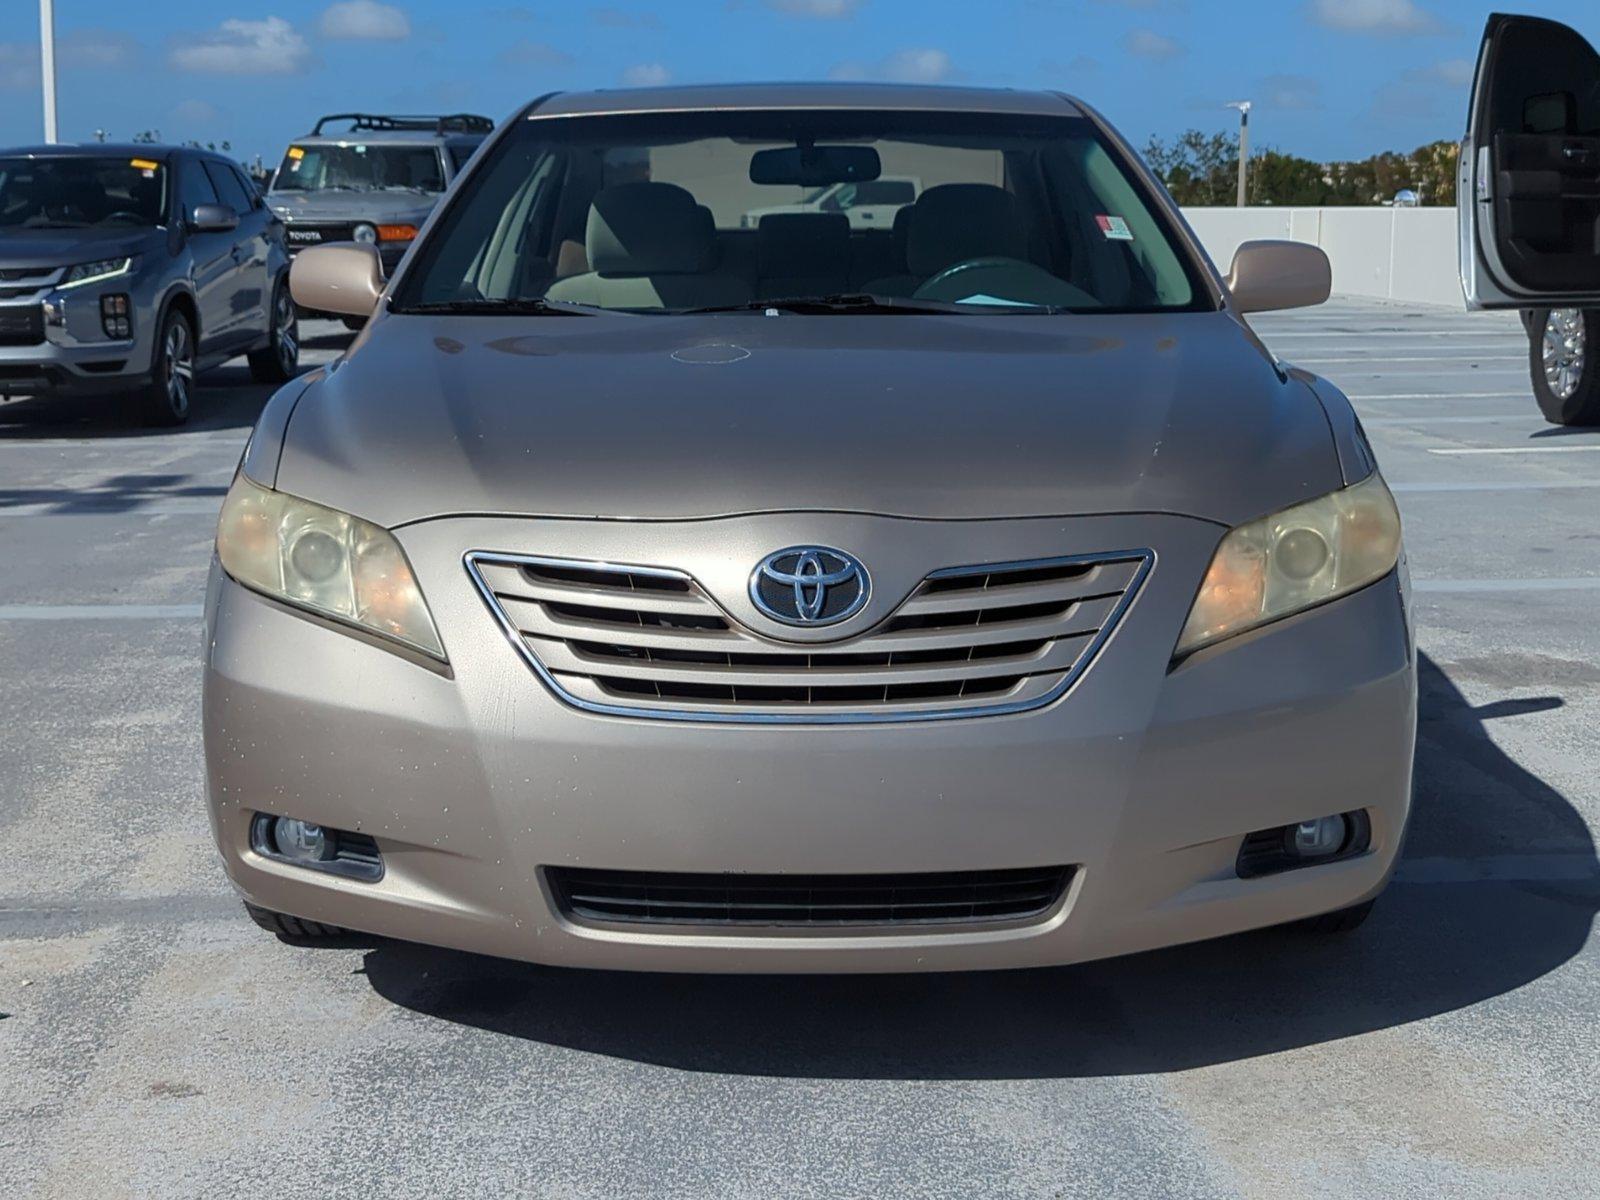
(362, 167)
(663, 212)
(76, 193)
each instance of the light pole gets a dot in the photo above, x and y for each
(47, 63)
(1244, 144)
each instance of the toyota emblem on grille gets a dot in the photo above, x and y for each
(809, 585)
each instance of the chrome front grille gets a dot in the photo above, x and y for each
(650, 642)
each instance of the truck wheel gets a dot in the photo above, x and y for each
(166, 397)
(279, 359)
(1564, 357)
(290, 927)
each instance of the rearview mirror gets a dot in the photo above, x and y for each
(1269, 275)
(213, 218)
(814, 166)
(341, 278)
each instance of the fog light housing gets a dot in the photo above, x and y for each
(316, 847)
(1305, 844)
(115, 316)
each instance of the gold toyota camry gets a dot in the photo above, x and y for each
(712, 558)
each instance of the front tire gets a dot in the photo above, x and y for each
(167, 397)
(279, 360)
(1564, 359)
(1342, 921)
(284, 925)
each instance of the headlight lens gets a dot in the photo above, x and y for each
(364, 234)
(1295, 559)
(323, 560)
(94, 272)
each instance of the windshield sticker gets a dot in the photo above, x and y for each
(296, 153)
(146, 165)
(1115, 228)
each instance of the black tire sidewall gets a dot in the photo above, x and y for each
(158, 403)
(1583, 406)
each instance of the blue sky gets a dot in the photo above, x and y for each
(1330, 78)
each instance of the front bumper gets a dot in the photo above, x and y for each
(1142, 778)
(72, 353)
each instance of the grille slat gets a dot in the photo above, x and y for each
(650, 640)
(801, 901)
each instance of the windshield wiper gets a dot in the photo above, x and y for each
(531, 306)
(839, 302)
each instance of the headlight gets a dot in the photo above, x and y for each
(94, 272)
(1294, 559)
(364, 234)
(323, 560)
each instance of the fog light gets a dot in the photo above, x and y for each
(301, 841)
(114, 316)
(1315, 839)
(1305, 844)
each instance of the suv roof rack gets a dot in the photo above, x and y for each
(449, 123)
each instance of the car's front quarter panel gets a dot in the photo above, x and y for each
(1144, 777)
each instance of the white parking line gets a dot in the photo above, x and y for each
(1515, 485)
(1429, 420)
(101, 612)
(1584, 583)
(1383, 360)
(1442, 396)
(1521, 450)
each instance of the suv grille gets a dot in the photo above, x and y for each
(646, 641)
(941, 898)
(21, 325)
(297, 236)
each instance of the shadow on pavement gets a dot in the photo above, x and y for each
(1429, 948)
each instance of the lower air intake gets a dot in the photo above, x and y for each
(807, 901)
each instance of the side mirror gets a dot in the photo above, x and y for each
(340, 277)
(213, 218)
(1271, 275)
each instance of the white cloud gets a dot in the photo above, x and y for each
(524, 52)
(195, 112)
(19, 65)
(1452, 72)
(1290, 92)
(364, 21)
(1147, 43)
(1383, 17)
(651, 74)
(95, 48)
(270, 46)
(820, 10)
(912, 65)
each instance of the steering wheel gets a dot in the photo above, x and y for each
(122, 214)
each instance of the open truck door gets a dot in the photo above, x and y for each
(1528, 199)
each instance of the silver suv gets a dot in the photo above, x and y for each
(127, 269)
(374, 181)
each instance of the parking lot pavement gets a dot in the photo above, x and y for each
(154, 1043)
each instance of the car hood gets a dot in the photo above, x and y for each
(350, 206)
(948, 417)
(64, 247)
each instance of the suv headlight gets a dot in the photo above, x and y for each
(94, 272)
(325, 561)
(1295, 559)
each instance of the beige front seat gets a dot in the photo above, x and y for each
(651, 246)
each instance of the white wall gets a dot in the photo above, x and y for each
(1406, 254)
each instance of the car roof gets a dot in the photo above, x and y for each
(762, 96)
(100, 150)
(414, 137)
